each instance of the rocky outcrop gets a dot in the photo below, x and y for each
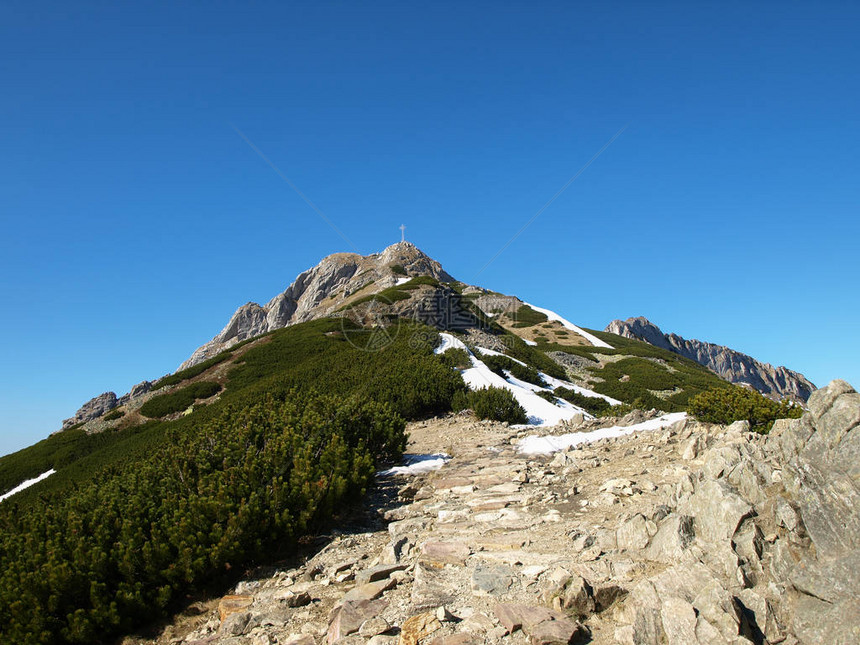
(735, 367)
(136, 392)
(322, 291)
(689, 535)
(92, 409)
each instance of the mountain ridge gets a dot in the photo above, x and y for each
(732, 365)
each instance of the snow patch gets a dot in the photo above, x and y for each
(449, 342)
(535, 445)
(27, 483)
(417, 465)
(591, 338)
(529, 342)
(403, 280)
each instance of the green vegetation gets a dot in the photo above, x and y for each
(547, 396)
(523, 372)
(393, 294)
(120, 548)
(114, 414)
(456, 358)
(397, 269)
(591, 404)
(534, 356)
(491, 403)
(642, 370)
(735, 403)
(135, 520)
(525, 316)
(195, 370)
(160, 406)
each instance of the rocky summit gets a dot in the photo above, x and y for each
(339, 279)
(692, 533)
(735, 367)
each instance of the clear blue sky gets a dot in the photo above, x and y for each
(135, 219)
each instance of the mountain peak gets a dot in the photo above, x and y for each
(323, 290)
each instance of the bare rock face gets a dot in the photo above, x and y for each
(321, 291)
(93, 409)
(735, 367)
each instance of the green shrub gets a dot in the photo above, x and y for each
(525, 316)
(116, 413)
(215, 495)
(456, 358)
(160, 406)
(727, 405)
(591, 404)
(493, 403)
(548, 396)
(397, 269)
(523, 372)
(196, 370)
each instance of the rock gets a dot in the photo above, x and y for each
(556, 632)
(348, 618)
(417, 627)
(298, 639)
(492, 580)
(678, 619)
(233, 604)
(717, 510)
(514, 616)
(93, 409)
(368, 591)
(432, 587)
(373, 627)
(291, 599)
(578, 598)
(457, 639)
(633, 534)
(379, 572)
(438, 554)
(673, 537)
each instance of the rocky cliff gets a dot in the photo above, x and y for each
(775, 382)
(323, 290)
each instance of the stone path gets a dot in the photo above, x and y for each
(683, 535)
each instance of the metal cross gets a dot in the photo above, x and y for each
(402, 232)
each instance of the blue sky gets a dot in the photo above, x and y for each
(135, 219)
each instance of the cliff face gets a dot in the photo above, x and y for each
(734, 366)
(321, 291)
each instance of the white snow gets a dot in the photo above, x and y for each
(402, 280)
(529, 342)
(417, 464)
(449, 342)
(539, 411)
(553, 383)
(535, 445)
(27, 484)
(591, 338)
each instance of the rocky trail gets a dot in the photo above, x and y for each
(690, 534)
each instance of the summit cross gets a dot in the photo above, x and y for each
(402, 232)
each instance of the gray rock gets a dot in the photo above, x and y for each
(492, 580)
(717, 510)
(93, 409)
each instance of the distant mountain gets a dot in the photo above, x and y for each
(734, 366)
